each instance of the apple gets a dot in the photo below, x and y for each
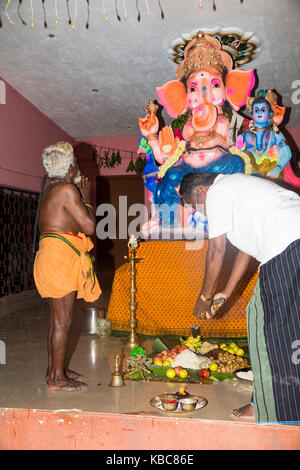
(204, 373)
(157, 356)
(177, 370)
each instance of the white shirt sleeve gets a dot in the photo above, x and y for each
(219, 210)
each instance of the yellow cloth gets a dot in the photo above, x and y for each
(63, 265)
(168, 282)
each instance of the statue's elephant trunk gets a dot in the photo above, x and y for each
(204, 117)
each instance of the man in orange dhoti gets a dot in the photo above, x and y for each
(63, 268)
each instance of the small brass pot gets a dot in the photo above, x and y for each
(170, 404)
(188, 404)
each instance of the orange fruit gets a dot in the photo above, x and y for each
(170, 373)
(183, 373)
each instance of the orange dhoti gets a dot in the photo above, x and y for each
(63, 265)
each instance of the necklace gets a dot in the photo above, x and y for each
(263, 145)
(200, 140)
(58, 181)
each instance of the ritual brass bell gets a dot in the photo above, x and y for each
(117, 379)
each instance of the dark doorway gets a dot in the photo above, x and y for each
(111, 252)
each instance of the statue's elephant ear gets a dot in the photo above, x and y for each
(239, 84)
(173, 97)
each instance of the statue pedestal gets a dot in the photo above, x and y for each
(168, 282)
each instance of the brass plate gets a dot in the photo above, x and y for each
(156, 402)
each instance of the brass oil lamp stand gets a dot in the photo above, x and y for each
(133, 339)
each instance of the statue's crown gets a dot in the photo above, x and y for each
(267, 95)
(202, 53)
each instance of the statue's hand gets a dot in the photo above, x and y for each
(239, 143)
(168, 143)
(274, 173)
(273, 152)
(149, 125)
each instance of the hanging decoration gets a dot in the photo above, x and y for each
(161, 10)
(72, 22)
(7, 14)
(211, 4)
(88, 15)
(69, 16)
(44, 11)
(106, 157)
(32, 18)
(117, 11)
(75, 14)
(56, 12)
(138, 10)
(125, 11)
(104, 10)
(148, 10)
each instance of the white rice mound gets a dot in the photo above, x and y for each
(245, 375)
(189, 360)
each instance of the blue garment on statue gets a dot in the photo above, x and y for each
(165, 191)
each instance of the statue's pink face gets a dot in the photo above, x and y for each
(205, 96)
(205, 88)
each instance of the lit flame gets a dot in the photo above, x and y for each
(182, 391)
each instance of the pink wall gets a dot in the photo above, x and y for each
(24, 133)
(88, 167)
(295, 134)
(127, 143)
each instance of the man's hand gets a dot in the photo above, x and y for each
(203, 308)
(85, 189)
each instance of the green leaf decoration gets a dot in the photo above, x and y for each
(131, 167)
(95, 154)
(118, 158)
(179, 122)
(140, 164)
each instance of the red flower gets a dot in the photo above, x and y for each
(177, 133)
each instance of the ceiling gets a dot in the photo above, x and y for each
(126, 60)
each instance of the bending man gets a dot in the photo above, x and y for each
(63, 268)
(262, 220)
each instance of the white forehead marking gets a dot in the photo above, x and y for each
(202, 75)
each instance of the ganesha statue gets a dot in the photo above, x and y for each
(206, 90)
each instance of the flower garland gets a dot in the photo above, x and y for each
(248, 166)
(171, 161)
(253, 129)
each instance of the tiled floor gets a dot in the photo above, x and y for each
(23, 328)
(104, 417)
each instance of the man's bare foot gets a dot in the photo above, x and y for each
(67, 385)
(71, 374)
(246, 411)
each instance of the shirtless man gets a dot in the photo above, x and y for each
(64, 212)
